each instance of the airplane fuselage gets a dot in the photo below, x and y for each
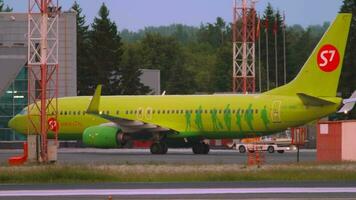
(207, 116)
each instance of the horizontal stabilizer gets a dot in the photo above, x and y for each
(95, 101)
(349, 104)
(313, 101)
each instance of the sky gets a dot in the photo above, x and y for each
(137, 14)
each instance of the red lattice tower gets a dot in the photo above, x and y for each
(43, 17)
(243, 30)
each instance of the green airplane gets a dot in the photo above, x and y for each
(188, 120)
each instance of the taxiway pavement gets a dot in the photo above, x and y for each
(174, 156)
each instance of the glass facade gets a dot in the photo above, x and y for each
(12, 101)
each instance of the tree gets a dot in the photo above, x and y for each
(83, 63)
(130, 73)
(4, 8)
(165, 54)
(223, 69)
(200, 59)
(215, 34)
(271, 24)
(105, 53)
(348, 81)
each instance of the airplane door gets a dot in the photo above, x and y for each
(276, 111)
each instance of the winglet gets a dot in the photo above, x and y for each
(95, 101)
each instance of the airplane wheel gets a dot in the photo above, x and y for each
(201, 148)
(206, 148)
(155, 148)
(164, 148)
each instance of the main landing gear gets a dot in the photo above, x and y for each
(159, 148)
(201, 148)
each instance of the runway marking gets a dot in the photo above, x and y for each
(177, 191)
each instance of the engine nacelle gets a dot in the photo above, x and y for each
(103, 137)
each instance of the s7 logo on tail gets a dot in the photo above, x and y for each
(328, 58)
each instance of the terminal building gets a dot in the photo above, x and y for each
(13, 59)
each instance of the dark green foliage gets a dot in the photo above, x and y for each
(182, 33)
(215, 34)
(273, 20)
(200, 60)
(129, 73)
(4, 8)
(83, 62)
(223, 69)
(165, 54)
(105, 53)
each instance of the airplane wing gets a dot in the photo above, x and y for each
(126, 125)
(348, 104)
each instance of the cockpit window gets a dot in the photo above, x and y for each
(23, 111)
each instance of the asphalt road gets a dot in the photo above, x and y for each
(215, 190)
(174, 156)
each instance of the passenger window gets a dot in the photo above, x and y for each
(163, 111)
(219, 111)
(153, 111)
(167, 111)
(78, 112)
(61, 113)
(65, 112)
(74, 113)
(135, 112)
(158, 112)
(256, 111)
(127, 112)
(131, 112)
(117, 112)
(69, 112)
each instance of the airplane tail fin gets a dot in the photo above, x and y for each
(320, 74)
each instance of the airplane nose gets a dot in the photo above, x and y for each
(12, 123)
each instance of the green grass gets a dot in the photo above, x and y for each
(175, 173)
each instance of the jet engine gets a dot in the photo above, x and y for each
(104, 137)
